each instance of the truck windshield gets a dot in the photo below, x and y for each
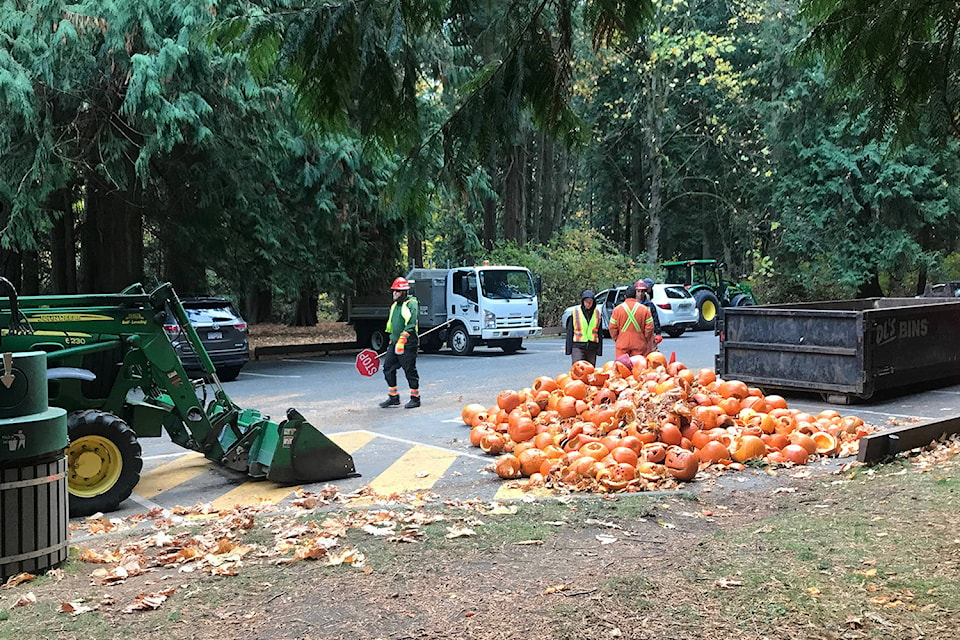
(506, 284)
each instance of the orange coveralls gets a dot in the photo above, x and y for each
(631, 326)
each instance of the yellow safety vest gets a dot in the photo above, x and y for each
(583, 330)
(405, 313)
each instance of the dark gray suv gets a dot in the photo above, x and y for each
(222, 331)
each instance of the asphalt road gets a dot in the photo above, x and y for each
(427, 448)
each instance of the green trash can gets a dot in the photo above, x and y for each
(34, 502)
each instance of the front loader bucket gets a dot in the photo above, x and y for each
(292, 452)
(295, 452)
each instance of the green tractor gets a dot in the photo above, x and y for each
(113, 368)
(704, 279)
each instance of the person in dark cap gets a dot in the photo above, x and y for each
(584, 341)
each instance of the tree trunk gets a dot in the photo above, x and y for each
(63, 254)
(489, 223)
(871, 288)
(654, 125)
(513, 197)
(548, 192)
(414, 243)
(258, 305)
(306, 312)
(111, 238)
(30, 273)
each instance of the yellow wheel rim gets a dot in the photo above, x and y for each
(708, 311)
(95, 465)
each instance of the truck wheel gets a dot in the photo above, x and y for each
(709, 307)
(103, 461)
(461, 342)
(743, 300)
(379, 340)
(674, 332)
(512, 345)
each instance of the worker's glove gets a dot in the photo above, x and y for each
(400, 345)
(658, 338)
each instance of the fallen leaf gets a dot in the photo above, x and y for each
(460, 532)
(26, 599)
(75, 608)
(728, 583)
(606, 539)
(556, 588)
(17, 579)
(530, 542)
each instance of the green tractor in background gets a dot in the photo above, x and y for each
(704, 279)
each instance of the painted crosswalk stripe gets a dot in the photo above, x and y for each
(183, 469)
(256, 492)
(416, 470)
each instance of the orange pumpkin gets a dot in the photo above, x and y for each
(508, 400)
(733, 389)
(508, 466)
(581, 369)
(712, 452)
(682, 464)
(467, 413)
(748, 448)
(795, 454)
(530, 461)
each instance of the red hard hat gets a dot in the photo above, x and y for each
(641, 285)
(400, 284)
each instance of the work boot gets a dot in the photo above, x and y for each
(391, 401)
(413, 403)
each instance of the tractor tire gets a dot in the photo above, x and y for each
(511, 345)
(461, 342)
(103, 462)
(709, 307)
(743, 300)
(379, 340)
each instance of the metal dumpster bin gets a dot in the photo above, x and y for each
(34, 501)
(843, 349)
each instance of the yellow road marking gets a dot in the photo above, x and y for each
(171, 474)
(350, 441)
(253, 492)
(416, 470)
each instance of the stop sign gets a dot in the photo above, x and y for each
(368, 363)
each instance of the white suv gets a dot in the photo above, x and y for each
(676, 308)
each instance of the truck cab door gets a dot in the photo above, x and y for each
(463, 301)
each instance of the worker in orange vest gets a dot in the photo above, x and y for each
(631, 325)
(583, 331)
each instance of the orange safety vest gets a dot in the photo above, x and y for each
(583, 330)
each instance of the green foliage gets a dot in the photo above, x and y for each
(901, 57)
(573, 261)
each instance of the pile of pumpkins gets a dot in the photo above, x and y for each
(645, 423)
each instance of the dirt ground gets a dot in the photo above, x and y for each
(598, 572)
(263, 335)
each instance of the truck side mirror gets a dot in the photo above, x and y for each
(538, 284)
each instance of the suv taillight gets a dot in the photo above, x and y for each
(664, 305)
(241, 326)
(173, 330)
